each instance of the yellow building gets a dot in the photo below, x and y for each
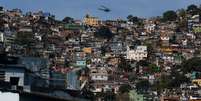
(197, 81)
(164, 37)
(170, 98)
(167, 50)
(92, 21)
(87, 50)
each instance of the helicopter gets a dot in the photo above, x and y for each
(103, 8)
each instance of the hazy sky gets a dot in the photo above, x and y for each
(78, 8)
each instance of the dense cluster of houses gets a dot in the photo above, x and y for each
(76, 55)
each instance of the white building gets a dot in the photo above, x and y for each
(8, 96)
(168, 58)
(99, 74)
(165, 40)
(138, 53)
(150, 27)
(1, 37)
(13, 74)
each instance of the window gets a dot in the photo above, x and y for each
(14, 80)
(2, 75)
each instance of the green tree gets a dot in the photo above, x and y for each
(125, 88)
(192, 9)
(24, 38)
(162, 83)
(182, 25)
(104, 32)
(143, 63)
(124, 65)
(173, 39)
(177, 80)
(193, 64)
(132, 78)
(136, 20)
(68, 20)
(182, 13)
(122, 97)
(154, 68)
(129, 17)
(103, 50)
(169, 15)
(133, 19)
(143, 85)
(109, 96)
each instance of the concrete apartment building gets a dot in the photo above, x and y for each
(138, 53)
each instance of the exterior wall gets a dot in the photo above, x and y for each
(72, 80)
(137, 54)
(99, 74)
(133, 96)
(150, 27)
(168, 58)
(92, 21)
(87, 50)
(165, 40)
(8, 96)
(15, 73)
(1, 37)
(35, 64)
(56, 82)
(81, 63)
(99, 77)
